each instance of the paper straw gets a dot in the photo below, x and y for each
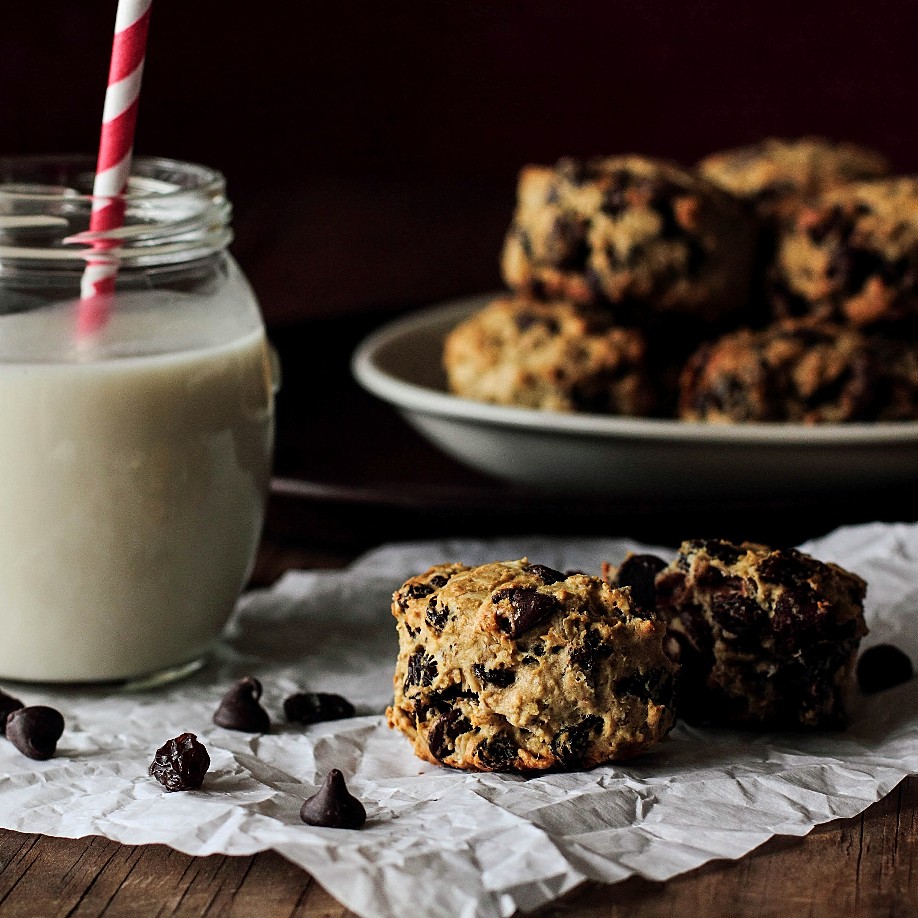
(116, 144)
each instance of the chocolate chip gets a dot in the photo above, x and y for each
(419, 590)
(181, 763)
(35, 730)
(333, 807)
(436, 617)
(724, 551)
(499, 753)
(499, 677)
(527, 608)
(655, 685)
(313, 707)
(788, 567)
(8, 704)
(736, 613)
(445, 730)
(881, 667)
(547, 575)
(239, 709)
(571, 743)
(639, 572)
(422, 669)
(439, 580)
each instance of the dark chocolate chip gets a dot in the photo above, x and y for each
(571, 743)
(881, 667)
(181, 763)
(8, 704)
(436, 616)
(547, 575)
(499, 677)
(655, 685)
(639, 572)
(724, 551)
(422, 669)
(788, 567)
(499, 753)
(35, 730)
(445, 730)
(333, 807)
(239, 708)
(313, 707)
(419, 590)
(527, 608)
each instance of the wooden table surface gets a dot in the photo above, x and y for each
(336, 497)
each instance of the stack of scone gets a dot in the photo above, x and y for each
(771, 283)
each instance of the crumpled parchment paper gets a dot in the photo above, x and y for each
(442, 842)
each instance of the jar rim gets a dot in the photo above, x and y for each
(159, 176)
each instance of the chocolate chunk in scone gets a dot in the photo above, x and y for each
(767, 638)
(800, 370)
(638, 236)
(516, 667)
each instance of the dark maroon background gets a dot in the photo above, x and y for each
(371, 149)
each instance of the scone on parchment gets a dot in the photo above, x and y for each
(516, 667)
(767, 638)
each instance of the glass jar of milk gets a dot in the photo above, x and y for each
(134, 459)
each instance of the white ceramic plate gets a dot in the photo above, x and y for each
(619, 456)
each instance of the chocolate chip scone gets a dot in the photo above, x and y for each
(767, 639)
(517, 667)
(803, 371)
(778, 176)
(641, 236)
(853, 256)
(554, 356)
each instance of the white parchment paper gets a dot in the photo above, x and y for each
(442, 842)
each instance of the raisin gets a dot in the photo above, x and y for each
(436, 617)
(547, 575)
(8, 704)
(788, 568)
(851, 266)
(655, 685)
(527, 608)
(333, 807)
(239, 708)
(439, 580)
(499, 677)
(313, 707)
(422, 669)
(639, 572)
(498, 753)
(881, 667)
(721, 549)
(736, 613)
(444, 731)
(419, 590)
(571, 743)
(181, 763)
(35, 730)
(587, 654)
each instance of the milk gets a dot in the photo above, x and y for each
(133, 476)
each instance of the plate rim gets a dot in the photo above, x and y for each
(409, 396)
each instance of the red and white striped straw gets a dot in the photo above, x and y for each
(113, 168)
